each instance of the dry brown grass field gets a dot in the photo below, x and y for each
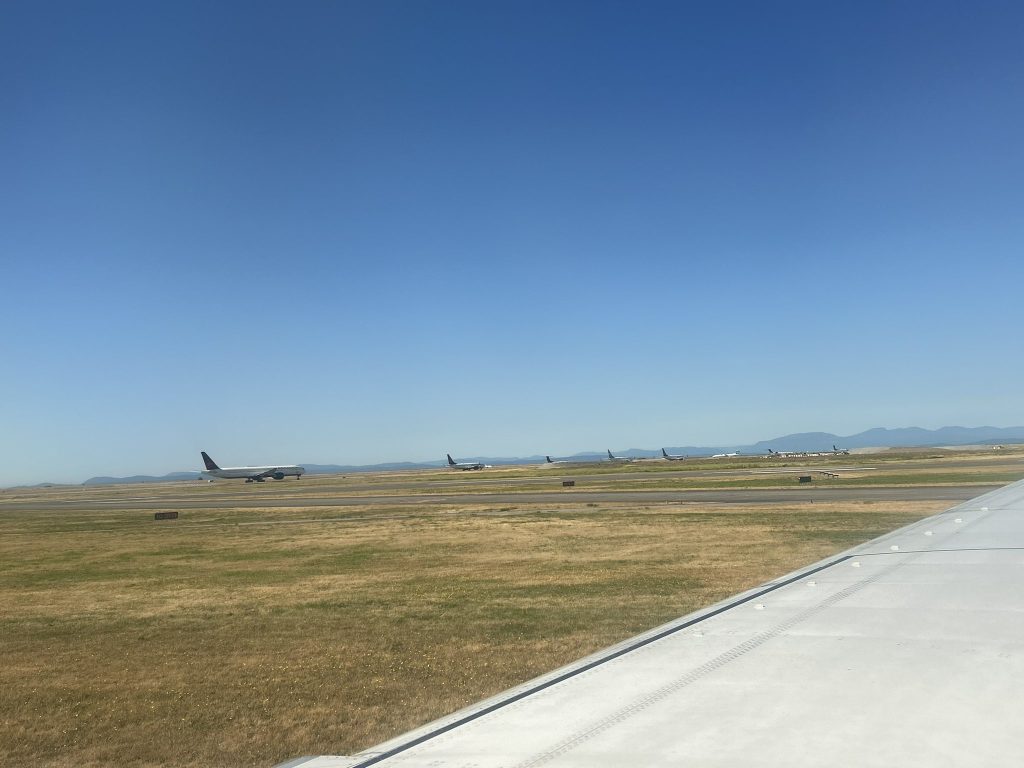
(244, 636)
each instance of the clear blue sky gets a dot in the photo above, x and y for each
(352, 232)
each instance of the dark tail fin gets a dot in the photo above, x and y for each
(663, 453)
(834, 449)
(610, 453)
(210, 463)
(451, 461)
(549, 460)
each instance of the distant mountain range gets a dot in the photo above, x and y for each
(142, 478)
(879, 437)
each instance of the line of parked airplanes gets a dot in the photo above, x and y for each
(452, 464)
(280, 472)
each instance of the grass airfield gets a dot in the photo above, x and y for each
(242, 634)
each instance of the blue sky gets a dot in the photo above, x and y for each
(352, 232)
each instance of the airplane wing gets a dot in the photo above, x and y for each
(905, 651)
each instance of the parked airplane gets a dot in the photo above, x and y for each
(573, 461)
(670, 457)
(804, 454)
(464, 464)
(251, 474)
(785, 454)
(724, 455)
(620, 459)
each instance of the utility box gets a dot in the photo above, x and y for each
(805, 478)
(568, 483)
(166, 515)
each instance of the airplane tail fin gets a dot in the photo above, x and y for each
(549, 460)
(451, 461)
(663, 453)
(210, 463)
(834, 449)
(610, 454)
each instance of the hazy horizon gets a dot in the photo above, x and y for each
(598, 452)
(369, 231)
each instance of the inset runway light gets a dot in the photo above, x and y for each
(812, 583)
(855, 563)
(895, 547)
(984, 509)
(928, 533)
(959, 520)
(759, 607)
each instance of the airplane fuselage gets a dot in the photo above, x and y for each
(256, 473)
(250, 474)
(464, 465)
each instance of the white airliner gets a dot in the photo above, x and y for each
(573, 462)
(802, 454)
(724, 455)
(903, 651)
(785, 454)
(452, 463)
(666, 455)
(620, 459)
(251, 474)
(580, 461)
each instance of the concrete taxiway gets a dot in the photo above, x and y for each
(568, 495)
